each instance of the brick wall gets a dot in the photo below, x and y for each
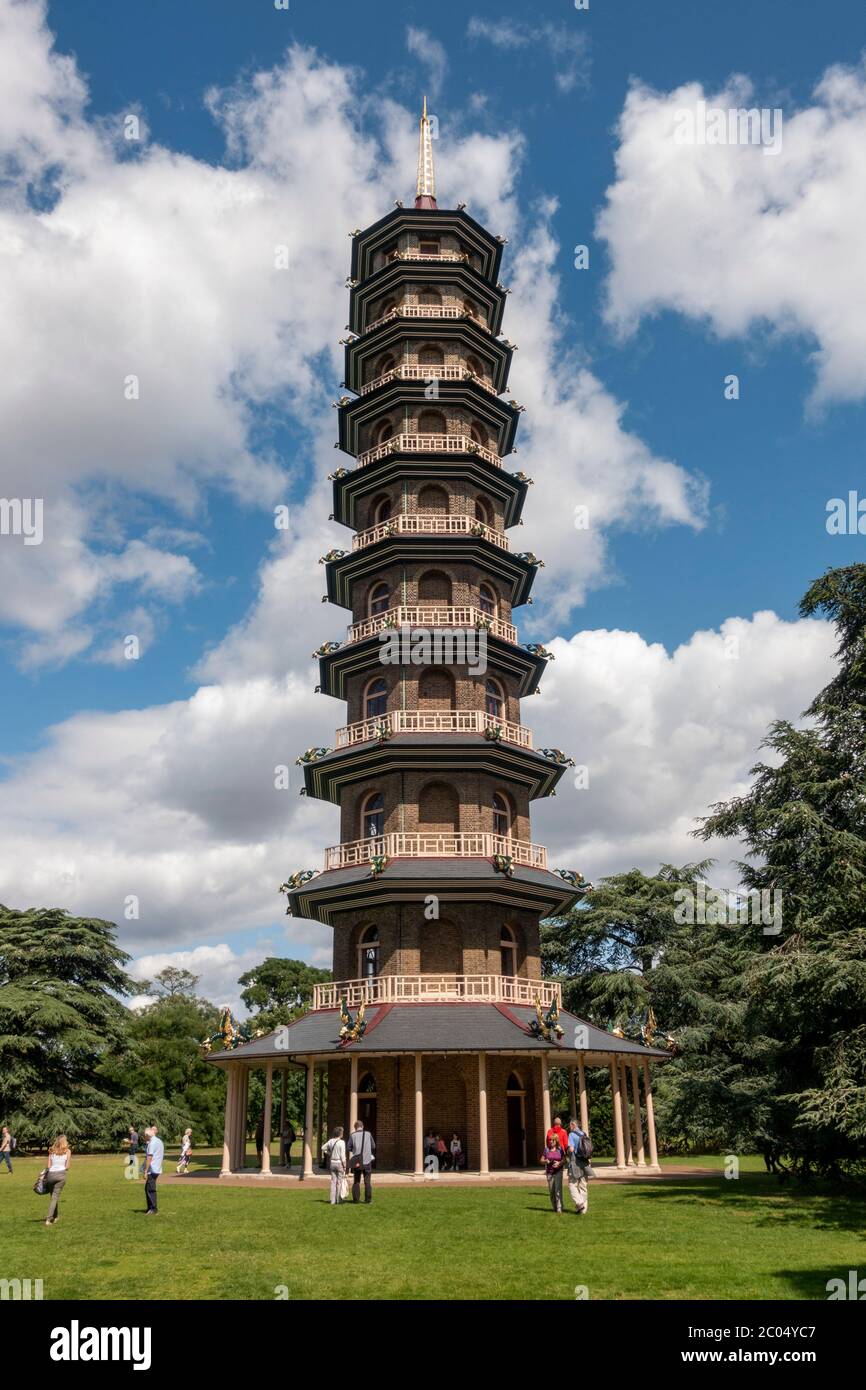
(408, 940)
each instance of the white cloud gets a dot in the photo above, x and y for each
(431, 53)
(750, 242)
(567, 49)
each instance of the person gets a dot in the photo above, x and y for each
(185, 1151)
(59, 1159)
(552, 1158)
(429, 1148)
(133, 1147)
(154, 1154)
(442, 1154)
(287, 1139)
(556, 1128)
(260, 1137)
(335, 1150)
(577, 1162)
(362, 1156)
(458, 1158)
(7, 1144)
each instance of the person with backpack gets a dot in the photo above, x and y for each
(362, 1156)
(334, 1158)
(578, 1159)
(7, 1147)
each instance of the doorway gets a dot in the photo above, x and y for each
(515, 1103)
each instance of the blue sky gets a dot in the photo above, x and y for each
(551, 85)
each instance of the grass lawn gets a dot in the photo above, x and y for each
(704, 1238)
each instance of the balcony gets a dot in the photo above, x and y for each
(429, 524)
(412, 254)
(433, 844)
(420, 616)
(420, 989)
(426, 311)
(429, 371)
(429, 721)
(428, 444)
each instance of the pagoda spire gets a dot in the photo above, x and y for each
(425, 192)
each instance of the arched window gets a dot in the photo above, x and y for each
(434, 589)
(508, 961)
(384, 310)
(501, 815)
(384, 432)
(368, 953)
(432, 422)
(381, 510)
(429, 247)
(514, 1083)
(380, 598)
(438, 808)
(479, 435)
(436, 690)
(376, 699)
(494, 701)
(373, 816)
(429, 297)
(475, 366)
(487, 600)
(431, 356)
(433, 499)
(385, 364)
(367, 1085)
(483, 511)
(470, 308)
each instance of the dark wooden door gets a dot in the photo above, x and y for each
(367, 1113)
(515, 1132)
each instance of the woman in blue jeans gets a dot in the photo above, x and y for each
(6, 1148)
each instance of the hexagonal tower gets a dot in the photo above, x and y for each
(438, 1018)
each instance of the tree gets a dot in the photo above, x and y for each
(169, 982)
(280, 990)
(60, 1017)
(804, 823)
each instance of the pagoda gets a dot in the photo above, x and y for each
(438, 1018)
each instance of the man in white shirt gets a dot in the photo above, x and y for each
(155, 1153)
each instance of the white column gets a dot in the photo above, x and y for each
(308, 1119)
(626, 1123)
(584, 1104)
(483, 1151)
(353, 1090)
(617, 1115)
(545, 1094)
(241, 1126)
(572, 1095)
(228, 1121)
(650, 1116)
(638, 1127)
(419, 1117)
(266, 1136)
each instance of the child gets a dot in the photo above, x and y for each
(185, 1151)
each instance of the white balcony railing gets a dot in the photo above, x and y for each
(434, 844)
(429, 444)
(432, 721)
(426, 311)
(429, 524)
(420, 615)
(427, 371)
(397, 989)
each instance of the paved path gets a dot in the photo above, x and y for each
(292, 1181)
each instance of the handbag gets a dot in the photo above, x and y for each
(344, 1188)
(39, 1185)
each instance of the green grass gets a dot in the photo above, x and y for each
(704, 1238)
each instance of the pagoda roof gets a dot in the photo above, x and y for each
(367, 242)
(355, 658)
(464, 330)
(396, 273)
(357, 484)
(508, 566)
(440, 1028)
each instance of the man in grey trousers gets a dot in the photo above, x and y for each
(362, 1156)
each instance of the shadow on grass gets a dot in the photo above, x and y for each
(761, 1196)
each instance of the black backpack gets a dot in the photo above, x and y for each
(584, 1147)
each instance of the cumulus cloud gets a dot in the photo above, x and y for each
(747, 241)
(431, 53)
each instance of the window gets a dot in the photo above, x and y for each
(475, 366)
(493, 698)
(385, 364)
(368, 954)
(470, 308)
(434, 589)
(381, 510)
(384, 432)
(380, 598)
(376, 699)
(508, 959)
(431, 357)
(479, 435)
(373, 817)
(429, 297)
(433, 499)
(487, 601)
(501, 815)
(483, 511)
(431, 422)
(429, 248)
